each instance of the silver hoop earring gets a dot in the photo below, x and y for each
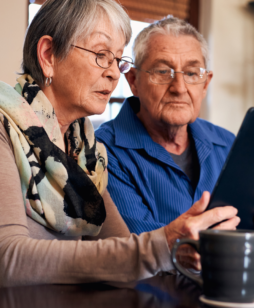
(48, 81)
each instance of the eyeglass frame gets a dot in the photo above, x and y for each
(96, 53)
(182, 72)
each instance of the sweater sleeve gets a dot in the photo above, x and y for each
(24, 260)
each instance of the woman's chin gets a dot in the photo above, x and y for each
(97, 111)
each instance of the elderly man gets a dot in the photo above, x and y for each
(162, 157)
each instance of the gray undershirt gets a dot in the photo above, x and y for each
(189, 164)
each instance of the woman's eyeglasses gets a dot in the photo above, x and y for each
(105, 58)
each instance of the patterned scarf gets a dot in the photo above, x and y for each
(60, 191)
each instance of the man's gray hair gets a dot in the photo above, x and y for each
(66, 21)
(168, 26)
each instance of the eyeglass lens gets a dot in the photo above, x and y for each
(105, 59)
(125, 65)
(192, 75)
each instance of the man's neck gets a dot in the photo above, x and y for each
(173, 138)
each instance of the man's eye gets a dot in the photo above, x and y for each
(162, 72)
(190, 74)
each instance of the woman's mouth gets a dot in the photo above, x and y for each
(103, 93)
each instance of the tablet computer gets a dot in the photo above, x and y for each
(235, 185)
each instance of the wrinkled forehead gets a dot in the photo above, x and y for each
(105, 37)
(104, 29)
(168, 47)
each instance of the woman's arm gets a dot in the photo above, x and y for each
(24, 260)
(114, 224)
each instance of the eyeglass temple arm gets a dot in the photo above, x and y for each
(84, 49)
(119, 59)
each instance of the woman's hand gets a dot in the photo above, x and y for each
(194, 220)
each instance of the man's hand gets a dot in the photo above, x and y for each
(194, 220)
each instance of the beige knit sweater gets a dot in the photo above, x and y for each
(32, 254)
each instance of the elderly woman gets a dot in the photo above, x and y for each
(53, 173)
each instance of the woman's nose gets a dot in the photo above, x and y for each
(113, 71)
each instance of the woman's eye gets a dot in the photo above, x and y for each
(101, 55)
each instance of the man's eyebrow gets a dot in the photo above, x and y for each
(170, 64)
(161, 61)
(193, 62)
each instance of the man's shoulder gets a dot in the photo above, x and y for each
(217, 131)
(106, 133)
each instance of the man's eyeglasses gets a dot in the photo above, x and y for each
(105, 58)
(191, 75)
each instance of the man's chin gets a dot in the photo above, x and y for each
(176, 122)
(177, 118)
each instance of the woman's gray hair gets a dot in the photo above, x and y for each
(66, 21)
(168, 26)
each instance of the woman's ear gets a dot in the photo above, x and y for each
(131, 77)
(45, 55)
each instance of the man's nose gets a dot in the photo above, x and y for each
(113, 71)
(178, 84)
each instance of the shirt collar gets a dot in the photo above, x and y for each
(207, 133)
(129, 130)
(131, 133)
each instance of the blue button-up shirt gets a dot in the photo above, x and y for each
(148, 188)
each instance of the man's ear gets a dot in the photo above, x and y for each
(45, 55)
(131, 77)
(209, 78)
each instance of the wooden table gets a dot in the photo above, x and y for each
(159, 292)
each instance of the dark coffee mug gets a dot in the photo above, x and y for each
(227, 260)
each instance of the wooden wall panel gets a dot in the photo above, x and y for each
(152, 10)
(38, 1)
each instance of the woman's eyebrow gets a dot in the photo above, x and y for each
(102, 33)
(100, 44)
(106, 45)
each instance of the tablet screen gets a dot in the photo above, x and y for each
(235, 185)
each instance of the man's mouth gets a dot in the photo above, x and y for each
(177, 102)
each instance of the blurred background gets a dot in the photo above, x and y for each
(227, 25)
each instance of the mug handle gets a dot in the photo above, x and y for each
(179, 267)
